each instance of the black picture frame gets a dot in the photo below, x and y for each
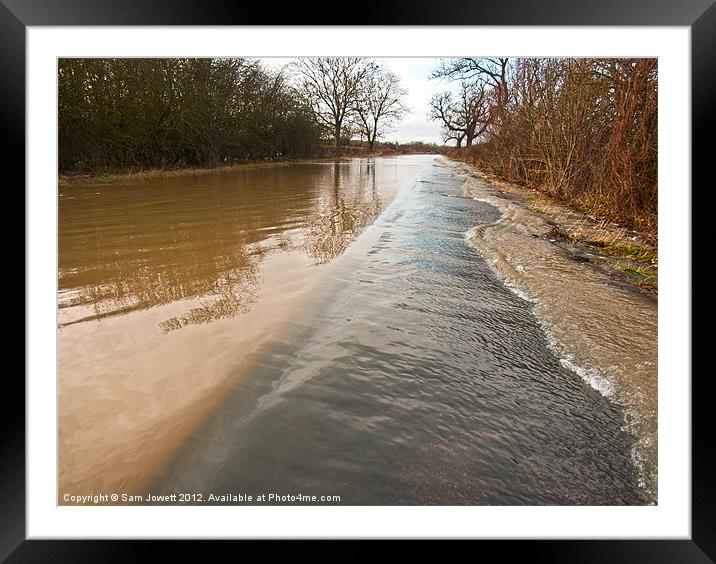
(699, 15)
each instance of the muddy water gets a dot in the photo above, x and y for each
(411, 374)
(165, 286)
(317, 329)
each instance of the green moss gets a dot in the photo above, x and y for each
(644, 274)
(631, 251)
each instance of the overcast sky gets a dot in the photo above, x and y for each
(413, 73)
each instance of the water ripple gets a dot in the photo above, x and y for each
(416, 377)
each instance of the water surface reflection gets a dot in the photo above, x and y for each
(167, 285)
(126, 247)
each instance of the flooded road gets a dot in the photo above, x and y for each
(316, 329)
(166, 284)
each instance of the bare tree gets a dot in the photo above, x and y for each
(332, 89)
(456, 136)
(464, 116)
(379, 104)
(492, 72)
(442, 109)
(582, 130)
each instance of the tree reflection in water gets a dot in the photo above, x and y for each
(203, 239)
(343, 211)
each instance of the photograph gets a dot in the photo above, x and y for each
(422, 274)
(357, 281)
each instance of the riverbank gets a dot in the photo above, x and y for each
(600, 324)
(346, 154)
(131, 176)
(624, 255)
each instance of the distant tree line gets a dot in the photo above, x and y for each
(120, 114)
(139, 113)
(580, 130)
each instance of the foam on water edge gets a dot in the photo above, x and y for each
(592, 376)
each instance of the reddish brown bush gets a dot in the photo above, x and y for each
(583, 131)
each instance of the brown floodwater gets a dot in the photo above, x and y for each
(334, 329)
(166, 284)
(126, 247)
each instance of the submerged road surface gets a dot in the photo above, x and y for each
(411, 375)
